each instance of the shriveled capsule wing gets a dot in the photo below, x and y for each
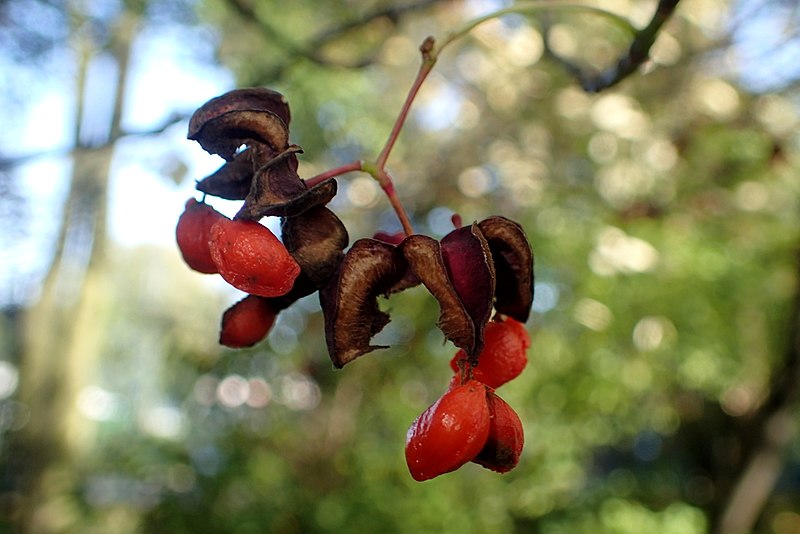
(223, 134)
(278, 191)
(513, 262)
(349, 302)
(471, 269)
(248, 98)
(315, 239)
(232, 180)
(242, 117)
(459, 274)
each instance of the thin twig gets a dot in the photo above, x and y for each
(310, 49)
(629, 62)
(388, 188)
(333, 173)
(11, 162)
(428, 61)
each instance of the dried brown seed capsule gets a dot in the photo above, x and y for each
(513, 262)
(349, 302)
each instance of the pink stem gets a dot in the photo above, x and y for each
(332, 173)
(428, 61)
(378, 170)
(388, 188)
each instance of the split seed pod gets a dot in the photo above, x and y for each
(315, 239)
(241, 117)
(513, 263)
(264, 174)
(349, 302)
(459, 273)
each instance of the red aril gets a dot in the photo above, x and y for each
(504, 445)
(192, 234)
(450, 433)
(250, 258)
(503, 356)
(247, 322)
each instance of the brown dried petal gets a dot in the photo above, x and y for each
(349, 302)
(231, 181)
(278, 191)
(424, 256)
(247, 99)
(315, 239)
(224, 134)
(471, 270)
(513, 262)
(409, 278)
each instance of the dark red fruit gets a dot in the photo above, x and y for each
(249, 257)
(193, 232)
(247, 322)
(506, 438)
(503, 356)
(450, 433)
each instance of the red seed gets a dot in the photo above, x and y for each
(503, 447)
(192, 233)
(450, 433)
(250, 258)
(247, 322)
(503, 356)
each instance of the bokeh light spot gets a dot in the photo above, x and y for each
(260, 393)
(475, 181)
(233, 391)
(545, 297)
(752, 196)
(593, 314)
(299, 392)
(363, 192)
(650, 332)
(163, 421)
(9, 379)
(617, 252)
(96, 403)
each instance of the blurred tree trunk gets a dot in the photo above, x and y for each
(64, 330)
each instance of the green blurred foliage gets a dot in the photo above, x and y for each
(664, 218)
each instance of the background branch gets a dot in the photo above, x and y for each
(310, 50)
(773, 426)
(10, 162)
(629, 62)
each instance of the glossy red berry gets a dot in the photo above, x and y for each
(503, 356)
(250, 258)
(247, 322)
(450, 433)
(192, 233)
(504, 445)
